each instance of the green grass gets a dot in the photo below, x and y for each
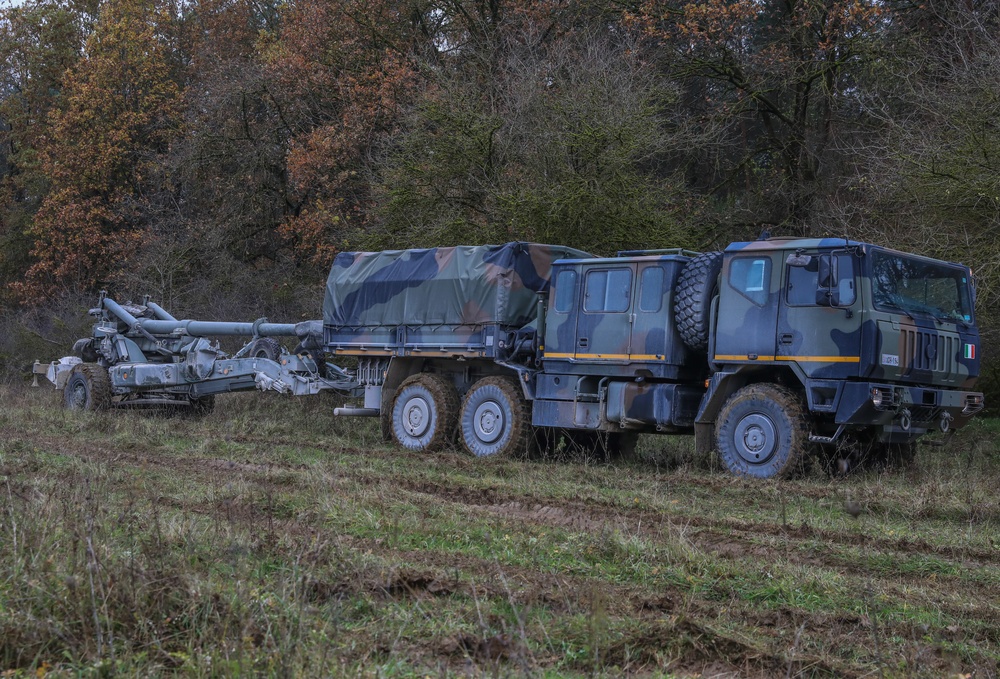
(271, 538)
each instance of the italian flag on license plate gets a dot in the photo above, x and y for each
(970, 350)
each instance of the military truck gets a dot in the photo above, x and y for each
(764, 351)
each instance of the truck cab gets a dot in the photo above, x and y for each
(798, 343)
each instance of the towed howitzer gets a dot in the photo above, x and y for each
(140, 355)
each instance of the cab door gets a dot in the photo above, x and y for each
(604, 326)
(563, 313)
(819, 325)
(748, 307)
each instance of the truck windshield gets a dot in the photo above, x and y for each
(916, 286)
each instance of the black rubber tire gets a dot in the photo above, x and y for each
(761, 432)
(202, 406)
(424, 412)
(265, 347)
(87, 388)
(693, 295)
(496, 419)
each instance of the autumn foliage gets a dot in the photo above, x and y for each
(119, 112)
(215, 146)
(347, 75)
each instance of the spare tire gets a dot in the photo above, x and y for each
(696, 287)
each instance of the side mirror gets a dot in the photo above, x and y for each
(828, 283)
(829, 271)
(798, 259)
(828, 297)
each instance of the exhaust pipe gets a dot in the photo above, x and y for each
(349, 411)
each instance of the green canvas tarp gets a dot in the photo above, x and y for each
(436, 286)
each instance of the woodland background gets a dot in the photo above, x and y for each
(216, 154)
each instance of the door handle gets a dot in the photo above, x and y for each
(582, 342)
(785, 338)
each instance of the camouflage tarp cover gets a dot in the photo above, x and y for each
(455, 285)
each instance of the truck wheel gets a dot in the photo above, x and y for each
(693, 299)
(762, 433)
(265, 347)
(424, 412)
(495, 419)
(87, 388)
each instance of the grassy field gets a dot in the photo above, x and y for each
(271, 538)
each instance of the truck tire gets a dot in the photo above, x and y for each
(265, 347)
(496, 419)
(693, 299)
(424, 412)
(761, 432)
(87, 388)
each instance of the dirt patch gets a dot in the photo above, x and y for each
(233, 465)
(546, 514)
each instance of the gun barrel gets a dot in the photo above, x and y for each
(159, 311)
(213, 328)
(160, 326)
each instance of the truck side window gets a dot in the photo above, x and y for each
(608, 290)
(803, 281)
(565, 290)
(651, 288)
(751, 277)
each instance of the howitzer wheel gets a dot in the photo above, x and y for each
(496, 419)
(265, 347)
(762, 432)
(203, 405)
(88, 388)
(693, 299)
(424, 412)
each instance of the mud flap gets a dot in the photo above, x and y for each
(704, 439)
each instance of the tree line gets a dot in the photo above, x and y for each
(228, 149)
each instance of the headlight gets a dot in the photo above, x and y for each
(877, 397)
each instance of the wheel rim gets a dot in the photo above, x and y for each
(416, 416)
(755, 438)
(488, 422)
(78, 396)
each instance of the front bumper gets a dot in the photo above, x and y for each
(906, 407)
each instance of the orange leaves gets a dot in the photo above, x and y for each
(369, 103)
(76, 239)
(120, 109)
(310, 231)
(721, 20)
(343, 74)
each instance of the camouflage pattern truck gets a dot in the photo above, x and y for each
(766, 352)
